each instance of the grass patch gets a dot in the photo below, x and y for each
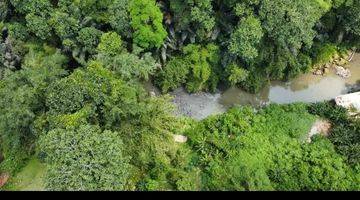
(29, 178)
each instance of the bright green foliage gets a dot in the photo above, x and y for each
(146, 20)
(85, 158)
(29, 178)
(95, 86)
(38, 26)
(245, 150)
(110, 44)
(237, 74)
(174, 74)
(203, 62)
(245, 39)
(160, 163)
(96, 95)
(324, 54)
(312, 167)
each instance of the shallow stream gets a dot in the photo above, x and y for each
(305, 88)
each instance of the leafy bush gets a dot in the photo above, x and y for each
(245, 149)
(174, 74)
(146, 20)
(324, 54)
(203, 62)
(23, 102)
(85, 158)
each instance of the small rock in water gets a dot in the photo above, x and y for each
(342, 72)
(349, 101)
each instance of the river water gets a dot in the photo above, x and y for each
(305, 88)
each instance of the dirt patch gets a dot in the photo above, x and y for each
(3, 179)
(321, 127)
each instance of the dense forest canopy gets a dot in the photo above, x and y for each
(71, 93)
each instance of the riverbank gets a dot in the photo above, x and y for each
(308, 88)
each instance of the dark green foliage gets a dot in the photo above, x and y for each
(22, 99)
(38, 25)
(194, 15)
(345, 132)
(174, 74)
(271, 39)
(119, 17)
(89, 39)
(4, 9)
(352, 18)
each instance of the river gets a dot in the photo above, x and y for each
(305, 88)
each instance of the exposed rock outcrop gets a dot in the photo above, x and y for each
(180, 138)
(350, 102)
(342, 72)
(321, 127)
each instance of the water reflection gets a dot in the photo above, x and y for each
(305, 88)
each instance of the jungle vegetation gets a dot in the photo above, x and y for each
(72, 95)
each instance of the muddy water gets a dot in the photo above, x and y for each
(305, 88)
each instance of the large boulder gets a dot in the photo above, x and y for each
(349, 101)
(180, 138)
